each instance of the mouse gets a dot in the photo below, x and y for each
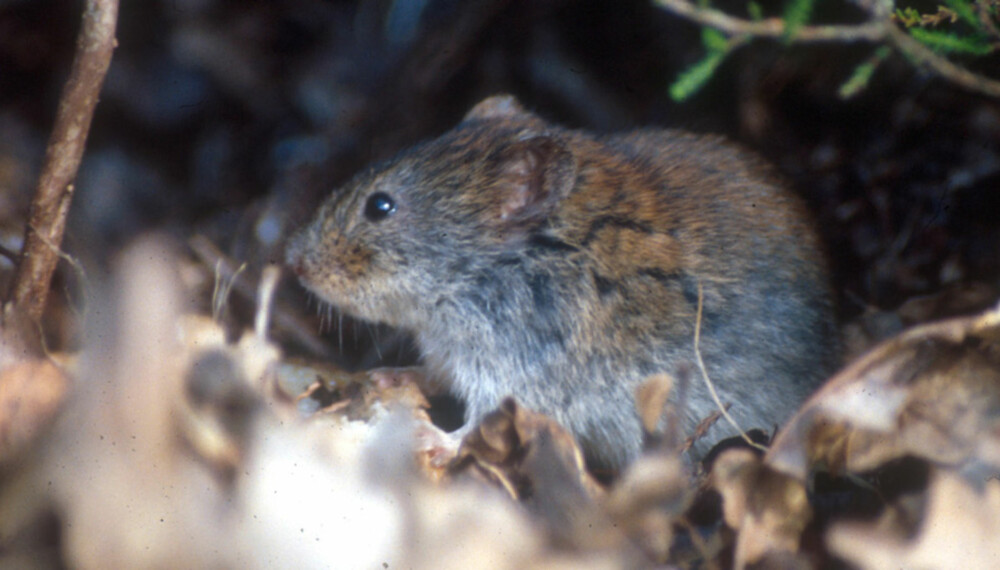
(563, 268)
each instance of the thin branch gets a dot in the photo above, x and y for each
(47, 221)
(878, 29)
(9, 254)
(265, 299)
(873, 31)
(956, 74)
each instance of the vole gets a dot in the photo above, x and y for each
(563, 268)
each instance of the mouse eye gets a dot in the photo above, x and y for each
(379, 206)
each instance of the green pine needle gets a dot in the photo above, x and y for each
(862, 74)
(858, 80)
(692, 79)
(964, 11)
(714, 40)
(796, 15)
(946, 42)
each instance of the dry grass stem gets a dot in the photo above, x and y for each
(265, 299)
(224, 281)
(287, 321)
(708, 381)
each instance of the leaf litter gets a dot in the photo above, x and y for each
(167, 442)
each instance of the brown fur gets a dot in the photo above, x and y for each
(562, 268)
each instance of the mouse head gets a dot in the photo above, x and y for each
(394, 242)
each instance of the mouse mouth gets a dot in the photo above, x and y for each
(302, 259)
(295, 251)
(330, 280)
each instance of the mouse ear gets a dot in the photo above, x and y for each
(532, 176)
(496, 107)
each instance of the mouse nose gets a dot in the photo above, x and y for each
(294, 257)
(294, 261)
(297, 264)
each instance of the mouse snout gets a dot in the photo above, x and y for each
(294, 255)
(297, 267)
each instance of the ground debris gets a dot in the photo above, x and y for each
(171, 425)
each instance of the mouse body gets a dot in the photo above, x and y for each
(564, 268)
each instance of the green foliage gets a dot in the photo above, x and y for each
(909, 17)
(692, 79)
(796, 15)
(955, 27)
(946, 37)
(963, 8)
(948, 42)
(714, 40)
(863, 74)
(955, 10)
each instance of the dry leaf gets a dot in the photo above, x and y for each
(163, 457)
(932, 392)
(647, 499)
(506, 438)
(536, 461)
(651, 397)
(30, 394)
(960, 530)
(769, 510)
(733, 474)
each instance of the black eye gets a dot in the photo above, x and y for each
(379, 206)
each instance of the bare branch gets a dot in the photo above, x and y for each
(47, 221)
(9, 253)
(956, 74)
(773, 27)
(878, 29)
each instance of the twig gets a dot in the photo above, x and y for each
(702, 428)
(878, 29)
(9, 254)
(774, 27)
(265, 298)
(708, 382)
(923, 55)
(47, 220)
